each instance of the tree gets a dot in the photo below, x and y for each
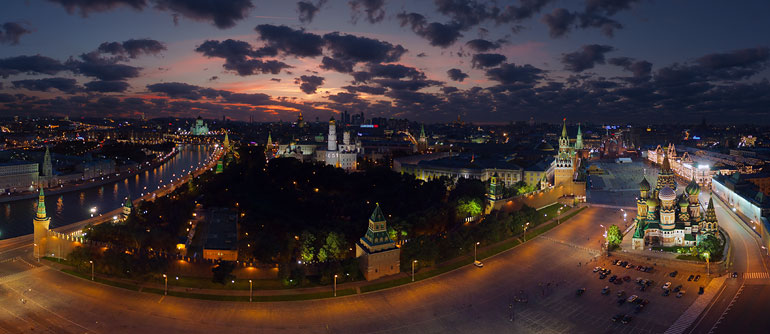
(467, 207)
(614, 236)
(335, 246)
(307, 250)
(711, 244)
(223, 272)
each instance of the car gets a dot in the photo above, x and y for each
(666, 293)
(666, 286)
(617, 317)
(632, 298)
(735, 274)
(629, 266)
(642, 288)
(678, 287)
(680, 294)
(621, 294)
(644, 282)
(650, 283)
(478, 264)
(616, 262)
(639, 280)
(613, 278)
(700, 290)
(606, 290)
(608, 271)
(580, 291)
(645, 302)
(618, 281)
(648, 269)
(638, 308)
(596, 269)
(621, 301)
(626, 319)
(697, 277)
(673, 273)
(626, 278)
(690, 278)
(602, 276)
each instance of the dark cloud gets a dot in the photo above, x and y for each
(11, 32)
(371, 90)
(508, 74)
(469, 13)
(413, 84)
(36, 64)
(344, 98)
(342, 66)
(559, 22)
(132, 48)
(242, 58)
(291, 42)
(438, 34)
(362, 49)
(482, 45)
(640, 68)
(256, 99)
(65, 85)
(107, 86)
(373, 9)
(483, 60)
(603, 23)
(222, 13)
(6, 98)
(183, 90)
(91, 65)
(309, 83)
(608, 7)
(307, 10)
(456, 74)
(585, 58)
(449, 89)
(394, 71)
(275, 79)
(737, 64)
(95, 6)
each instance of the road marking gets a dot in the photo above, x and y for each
(759, 275)
(740, 290)
(161, 299)
(696, 308)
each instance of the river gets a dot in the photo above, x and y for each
(16, 217)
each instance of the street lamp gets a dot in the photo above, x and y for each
(165, 285)
(250, 289)
(708, 267)
(413, 263)
(335, 285)
(474, 251)
(558, 213)
(92, 269)
(526, 226)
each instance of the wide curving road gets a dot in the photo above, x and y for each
(548, 268)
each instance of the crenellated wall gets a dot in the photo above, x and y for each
(540, 198)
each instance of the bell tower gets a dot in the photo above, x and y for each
(41, 223)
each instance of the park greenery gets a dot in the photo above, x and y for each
(306, 218)
(614, 236)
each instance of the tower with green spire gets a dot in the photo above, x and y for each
(128, 206)
(564, 170)
(579, 139)
(422, 141)
(47, 168)
(220, 167)
(226, 143)
(377, 253)
(41, 223)
(710, 223)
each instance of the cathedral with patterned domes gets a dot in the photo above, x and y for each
(666, 219)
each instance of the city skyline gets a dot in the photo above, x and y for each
(429, 61)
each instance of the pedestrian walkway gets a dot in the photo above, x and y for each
(759, 275)
(589, 250)
(692, 312)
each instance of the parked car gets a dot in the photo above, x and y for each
(650, 283)
(629, 266)
(735, 274)
(700, 290)
(697, 277)
(690, 278)
(621, 293)
(613, 278)
(632, 298)
(642, 288)
(621, 301)
(596, 269)
(580, 291)
(478, 264)
(626, 319)
(645, 302)
(606, 290)
(666, 293)
(680, 294)
(673, 273)
(638, 308)
(618, 281)
(602, 276)
(678, 287)
(667, 285)
(617, 317)
(647, 269)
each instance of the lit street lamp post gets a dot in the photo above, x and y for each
(708, 267)
(335, 285)
(413, 263)
(165, 285)
(250, 289)
(474, 251)
(92, 269)
(526, 226)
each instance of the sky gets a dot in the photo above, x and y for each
(639, 61)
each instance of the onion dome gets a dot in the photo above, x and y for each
(683, 201)
(652, 203)
(693, 188)
(544, 147)
(667, 194)
(644, 185)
